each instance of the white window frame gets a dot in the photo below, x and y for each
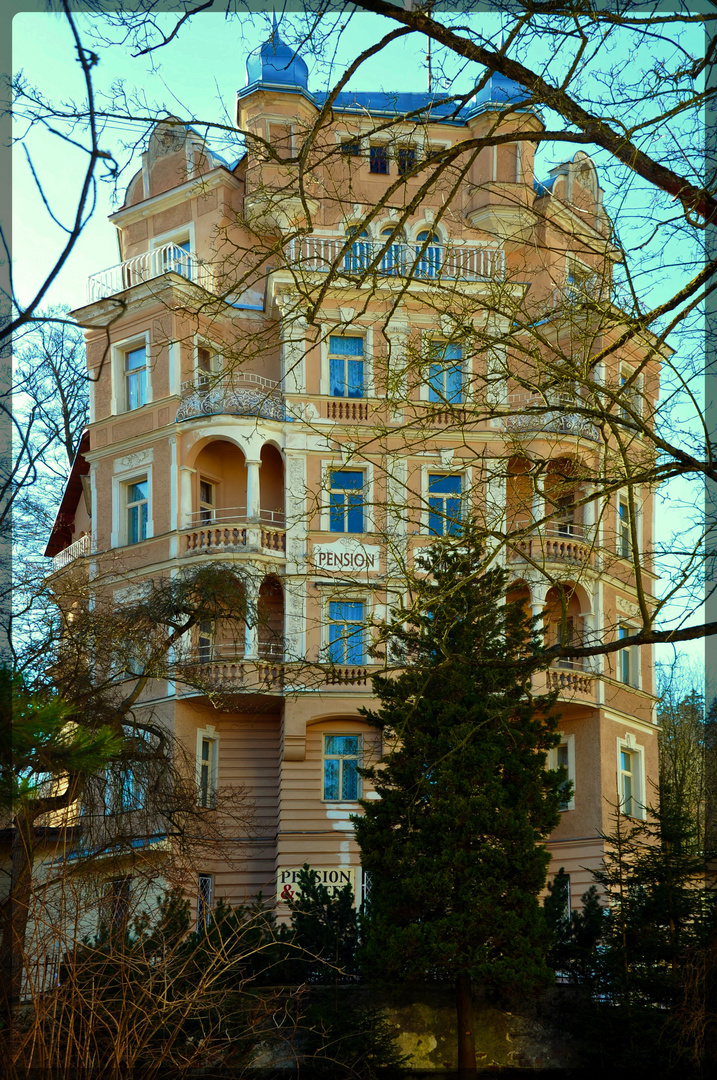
(368, 519)
(175, 236)
(341, 734)
(628, 743)
(217, 357)
(205, 899)
(435, 338)
(208, 734)
(569, 741)
(623, 500)
(633, 654)
(437, 468)
(350, 597)
(353, 330)
(120, 484)
(119, 351)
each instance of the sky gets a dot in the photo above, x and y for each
(197, 76)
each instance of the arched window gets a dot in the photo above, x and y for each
(358, 256)
(393, 260)
(428, 252)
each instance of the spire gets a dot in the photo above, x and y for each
(274, 28)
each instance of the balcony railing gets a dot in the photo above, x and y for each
(238, 393)
(150, 264)
(74, 551)
(237, 534)
(321, 254)
(563, 544)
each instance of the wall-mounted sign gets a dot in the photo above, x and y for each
(347, 556)
(333, 877)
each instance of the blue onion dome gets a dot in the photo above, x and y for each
(276, 63)
(500, 90)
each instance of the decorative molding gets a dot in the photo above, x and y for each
(134, 461)
(628, 607)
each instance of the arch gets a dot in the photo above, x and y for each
(209, 436)
(270, 619)
(271, 483)
(220, 481)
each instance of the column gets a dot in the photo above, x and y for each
(185, 496)
(251, 632)
(253, 495)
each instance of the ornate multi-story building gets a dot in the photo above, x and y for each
(306, 365)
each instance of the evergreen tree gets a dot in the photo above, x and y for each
(454, 843)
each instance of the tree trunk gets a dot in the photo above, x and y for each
(466, 1029)
(15, 916)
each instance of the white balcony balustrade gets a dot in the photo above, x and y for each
(237, 393)
(169, 258)
(321, 254)
(74, 551)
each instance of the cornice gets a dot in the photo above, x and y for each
(166, 199)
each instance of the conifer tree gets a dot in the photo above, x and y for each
(453, 844)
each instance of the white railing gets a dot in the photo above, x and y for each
(233, 513)
(437, 261)
(169, 258)
(74, 551)
(240, 393)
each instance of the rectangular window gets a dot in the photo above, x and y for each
(444, 505)
(346, 366)
(562, 760)
(563, 757)
(350, 148)
(207, 500)
(406, 158)
(342, 759)
(629, 394)
(205, 896)
(346, 632)
(624, 545)
(378, 159)
(137, 502)
(135, 368)
(445, 373)
(206, 795)
(629, 782)
(346, 501)
(205, 641)
(116, 901)
(208, 364)
(566, 515)
(627, 661)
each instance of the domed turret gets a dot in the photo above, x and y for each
(500, 90)
(276, 63)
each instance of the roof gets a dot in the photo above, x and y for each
(61, 535)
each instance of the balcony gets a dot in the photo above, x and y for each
(169, 258)
(556, 544)
(437, 262)
(236, 393)
(77, 550)
(229, 530)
